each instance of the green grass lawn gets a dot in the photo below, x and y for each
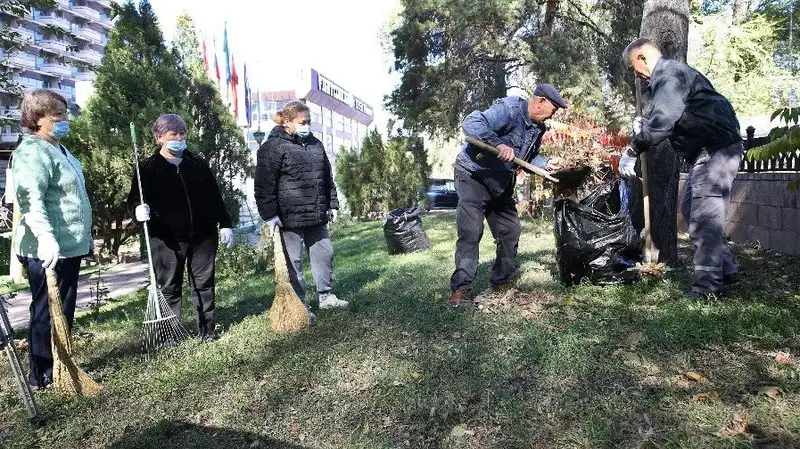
(585, 367)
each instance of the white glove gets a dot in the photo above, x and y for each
(48, 251)
(637, 126)
(226, 235)
(333, 214)
(142, 212)
(627, 164)
(274, 223)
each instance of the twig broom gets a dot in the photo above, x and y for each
(68, 378)
(288, 313)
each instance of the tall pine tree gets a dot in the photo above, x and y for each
(138, 80)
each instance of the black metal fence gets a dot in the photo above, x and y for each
(784, 163)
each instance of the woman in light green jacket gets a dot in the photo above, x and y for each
(55, 229)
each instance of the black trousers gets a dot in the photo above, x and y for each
(476, 203)
(170, 258)
(40, 354)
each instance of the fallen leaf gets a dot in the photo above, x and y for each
(416, 376)
(294, 430)
(302, 437)
(469, 433)
(397, 383)
(694, 376)
(570, 312)
(630, 356)
(387, 422)
(773, 392)
(737, 426)
(458, 432)
(710, 396)
(569, 301)
(633, 339)
(255, 444)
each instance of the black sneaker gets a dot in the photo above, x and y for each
(731, 279)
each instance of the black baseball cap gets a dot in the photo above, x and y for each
(551, 93)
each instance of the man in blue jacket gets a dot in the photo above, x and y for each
(702, 126)
(485, 183)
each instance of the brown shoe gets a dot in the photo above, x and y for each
(457, 297)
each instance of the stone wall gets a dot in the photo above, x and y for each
(762, 211)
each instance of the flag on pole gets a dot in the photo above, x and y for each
(234, 96)
(248, 108)
(227, 52)
(205, 55)
(216, 64)
(258, 106)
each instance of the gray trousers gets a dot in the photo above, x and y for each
(704, 207)
(320, 250)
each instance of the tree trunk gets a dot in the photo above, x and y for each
(666, 22)
(741, 9)
(550, 17)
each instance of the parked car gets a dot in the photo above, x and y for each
(441, 194)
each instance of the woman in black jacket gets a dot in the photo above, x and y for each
(184, 208)
(294, 190)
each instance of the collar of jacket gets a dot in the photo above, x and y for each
(163, 163)
(525, 115)
(656, 73)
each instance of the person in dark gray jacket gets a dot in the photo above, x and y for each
(485, 184)
(294, 190)
(702, 126)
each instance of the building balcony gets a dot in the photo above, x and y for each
(86, 12)
(10, 114)
(88, 34)
(63, 3)
(105, 3)
(56, 69)
(68, 94)
(105, 22)
(54, 21)
(52, 45)
(22, 60)
(83, 75)
(24, 33)
(9, 137)
(91, 56)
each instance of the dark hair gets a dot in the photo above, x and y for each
(37, 104)
(290, 111)
(633, 46)
(166, 123)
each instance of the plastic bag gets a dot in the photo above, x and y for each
(595, 237)
(403, 232)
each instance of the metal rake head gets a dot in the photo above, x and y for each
(161, 329)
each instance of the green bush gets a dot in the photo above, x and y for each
(244, 258)
(5, 255)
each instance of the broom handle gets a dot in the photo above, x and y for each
(648, 238)
(141, 198)
(483, 146)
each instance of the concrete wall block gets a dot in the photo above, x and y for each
(770, 217)
(790, 198)
(736, 231)
(782, 241)
(746, 214)
(758, 234)
(776, 193)
(789, 220)
(739, 190)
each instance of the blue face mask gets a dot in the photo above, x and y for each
(303, 131)
(176, 147)
(60, 129)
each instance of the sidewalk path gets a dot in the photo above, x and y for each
(120, 280)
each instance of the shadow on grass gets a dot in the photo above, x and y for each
(176, 434)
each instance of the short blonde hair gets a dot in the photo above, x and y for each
(37, 104)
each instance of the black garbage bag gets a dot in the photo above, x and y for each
(403, 232)
(595, 237)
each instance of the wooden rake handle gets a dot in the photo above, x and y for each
(485, 147)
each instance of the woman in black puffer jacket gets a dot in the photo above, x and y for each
(294, 190)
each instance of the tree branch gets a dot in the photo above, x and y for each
(588, 22)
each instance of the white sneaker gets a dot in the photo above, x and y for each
(330, 301)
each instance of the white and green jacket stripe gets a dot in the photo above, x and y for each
(52, 198)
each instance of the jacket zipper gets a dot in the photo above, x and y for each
(188, 202)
